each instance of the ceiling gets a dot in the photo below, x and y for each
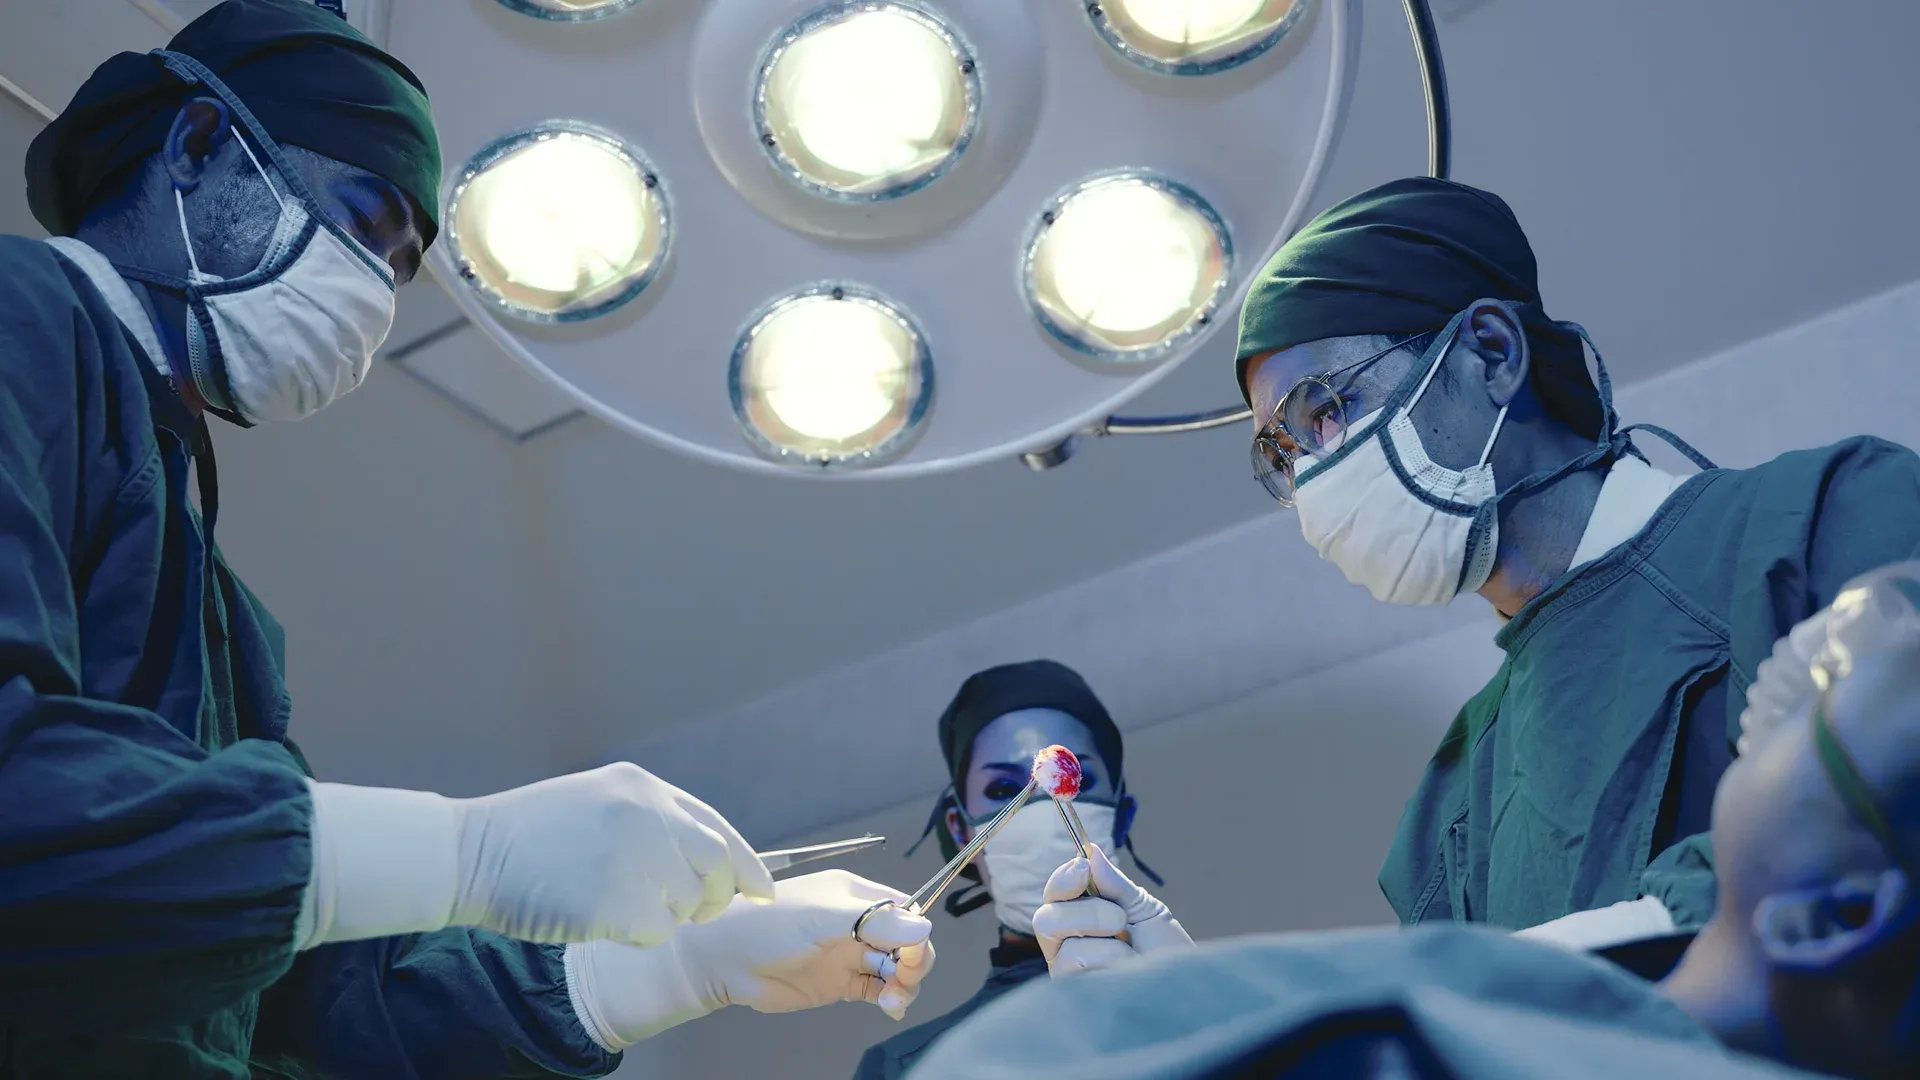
(1692, 176)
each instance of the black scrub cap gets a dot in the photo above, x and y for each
(310, 78)
(1404, 258)
(1037, 684)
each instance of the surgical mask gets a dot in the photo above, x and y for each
(299, 331)
(1028, 849)
(1412, 531)
(1394, 520)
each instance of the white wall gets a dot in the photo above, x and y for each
(1269, 813)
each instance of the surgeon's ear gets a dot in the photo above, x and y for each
(203, 126)
(1830, 926)
(957, 827)
(1492, 330)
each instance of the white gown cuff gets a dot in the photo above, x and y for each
(385, 862)
(1601, 928)
(624, 994)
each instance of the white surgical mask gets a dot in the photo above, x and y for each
(298, 332)
(1026, 851)
(1406, 534)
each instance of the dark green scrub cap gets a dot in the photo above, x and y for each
(311, 79)
(1404, 258)
(988, 695)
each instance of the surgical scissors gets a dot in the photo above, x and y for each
(787, 858)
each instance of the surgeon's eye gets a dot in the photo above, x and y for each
(1002, 789)
(361, 225)
(1270, 451)
(1328, 423)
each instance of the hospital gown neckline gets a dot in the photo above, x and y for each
(1582, 581)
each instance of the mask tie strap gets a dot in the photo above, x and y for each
(1686, 450)
(261, 169)
(1447, 339)
(934, 820)
(1487, 450)
(1124, 810)
(180, 204)
(1140, 865)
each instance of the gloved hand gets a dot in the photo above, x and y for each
(1078, 932)
(611, 853)
(1783, 683)
(795, 952)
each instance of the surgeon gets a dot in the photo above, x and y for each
(178, 896)
(989, 734)
(1437, 433)
(1812, 958)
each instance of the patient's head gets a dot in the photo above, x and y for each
(1816, 836)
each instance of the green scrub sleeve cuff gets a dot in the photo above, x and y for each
(1682, 879)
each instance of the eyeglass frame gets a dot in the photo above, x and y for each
(1277, 421)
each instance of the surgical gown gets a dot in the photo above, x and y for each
(897, 1056)
(1583, 774)
(1427, 1003)
(154, 818)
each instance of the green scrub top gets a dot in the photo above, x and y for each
(155, 821)
(1583, 773)
(1429, 1003)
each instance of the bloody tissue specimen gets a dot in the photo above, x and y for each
(1058, 772)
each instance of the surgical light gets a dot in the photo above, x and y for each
(1193, 37)
(558, 223)
(1127, 266)
(569, 10)
(831, 375)
(866, 101)
(957, 156)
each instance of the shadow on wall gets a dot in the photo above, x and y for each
(1271, 813)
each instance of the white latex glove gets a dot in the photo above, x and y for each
(614, 853)
(1783, 683)
(1078, 932)
(795, 952)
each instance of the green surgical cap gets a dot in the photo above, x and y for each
(311, 79)
(1404, 258)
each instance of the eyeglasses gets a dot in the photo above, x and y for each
(1310, 419)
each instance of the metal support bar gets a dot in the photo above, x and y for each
(1433, 79)
(34, 105)
(1173, 425)
(399, 354)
